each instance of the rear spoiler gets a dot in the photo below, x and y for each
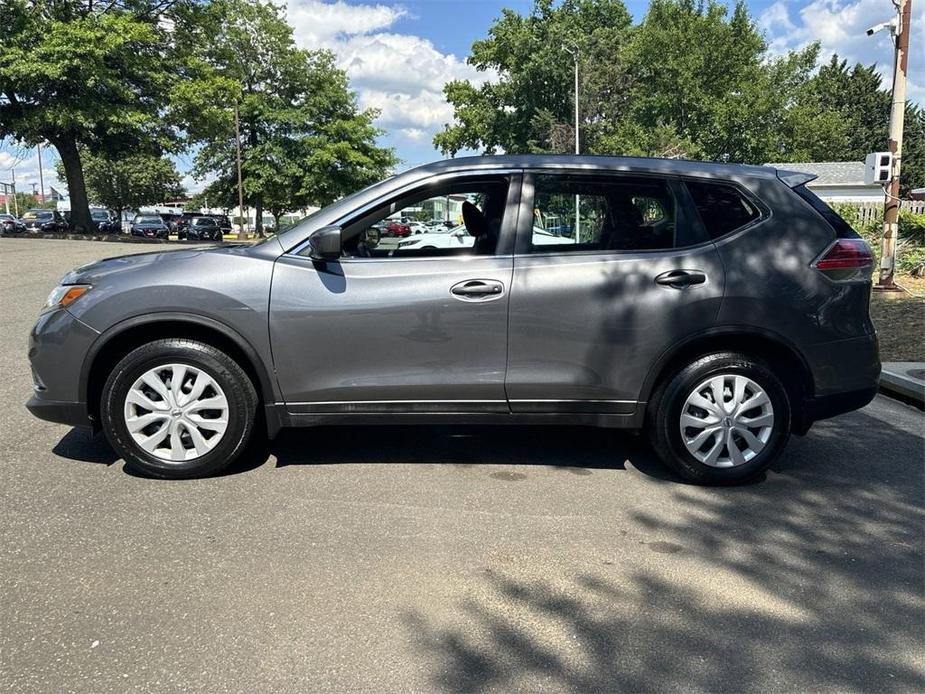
(795, 178)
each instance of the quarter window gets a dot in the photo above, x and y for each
(578, 213)
(722, 208)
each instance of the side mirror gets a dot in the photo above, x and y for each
(325, 243)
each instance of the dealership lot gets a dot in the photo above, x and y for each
(449, 559)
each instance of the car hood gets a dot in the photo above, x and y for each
(101, 269)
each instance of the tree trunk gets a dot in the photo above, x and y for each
(76, 187)
(258, 214)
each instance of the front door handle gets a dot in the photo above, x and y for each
(678, 279)
(478, 290)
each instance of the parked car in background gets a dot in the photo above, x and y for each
(10, 225)
(44, 221)
(171, 219)
(204, 229)
(439, 238)
(398, 229)
(718, 308)
(105, 220)
(150, 226)
(223, 222)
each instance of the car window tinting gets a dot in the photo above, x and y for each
(615, 213)
(722, 208)
(842, 229)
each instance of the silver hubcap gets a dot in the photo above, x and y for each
(176, 412)
(726, 421)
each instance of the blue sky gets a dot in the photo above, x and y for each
(398, 55)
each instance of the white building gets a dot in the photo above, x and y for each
(838, 181)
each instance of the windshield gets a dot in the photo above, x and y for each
(147, 220)
(204, 221)
(6, 217)
(37, 214)
(99, 215)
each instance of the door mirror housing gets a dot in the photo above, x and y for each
(325, 243)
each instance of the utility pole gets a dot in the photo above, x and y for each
(242, 230)
(573, 50)
(897, 115)
(15, 201)
(41, 177)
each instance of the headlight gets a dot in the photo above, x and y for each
(402, 244)
(64, 295)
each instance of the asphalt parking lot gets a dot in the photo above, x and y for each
(450, 559)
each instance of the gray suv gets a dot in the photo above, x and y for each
(717, 307)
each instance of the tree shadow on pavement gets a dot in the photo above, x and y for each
(811, 581)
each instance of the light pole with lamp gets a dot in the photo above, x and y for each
(572, 49)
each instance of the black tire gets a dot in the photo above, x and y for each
(239, 392)
(665, 407)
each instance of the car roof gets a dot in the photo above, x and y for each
(594, 161)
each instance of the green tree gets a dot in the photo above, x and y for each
(74, 73)
(129, 181)
(304, 140)
(690, 80)
(28, 201)
(530, 106)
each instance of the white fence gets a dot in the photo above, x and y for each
(873, 211)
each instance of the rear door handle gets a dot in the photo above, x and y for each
(678, 279)
(478, 290)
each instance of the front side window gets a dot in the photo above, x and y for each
(607, 213)
(453, 218)
(722, 207)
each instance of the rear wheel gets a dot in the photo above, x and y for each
(178, 408)
(720, 420)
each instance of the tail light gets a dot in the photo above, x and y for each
(845, 259)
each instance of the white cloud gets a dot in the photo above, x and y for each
(402, 75)
(840, 27)
(320, 24)
(25, 161)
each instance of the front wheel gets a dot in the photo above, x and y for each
(721, 420)
(178, 408)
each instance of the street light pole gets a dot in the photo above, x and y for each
(41, 177)
(15, 201)
(573, 50)
(242, 231)
(886, 281)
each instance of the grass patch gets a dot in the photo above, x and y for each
(900, 320)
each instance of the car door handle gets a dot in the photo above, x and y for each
(477, 289)
(678, 279)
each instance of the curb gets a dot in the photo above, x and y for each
(905, 380)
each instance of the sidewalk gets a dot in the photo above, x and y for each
(905, 379)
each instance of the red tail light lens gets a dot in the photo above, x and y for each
(845, 254)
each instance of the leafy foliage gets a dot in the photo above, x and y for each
(304, 140)
(129, 181)
(77, 74)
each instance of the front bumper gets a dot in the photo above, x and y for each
(58, 345)
(70, 413)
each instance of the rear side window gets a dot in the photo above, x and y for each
(602, 214)
(842, 229)
(722, 208)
